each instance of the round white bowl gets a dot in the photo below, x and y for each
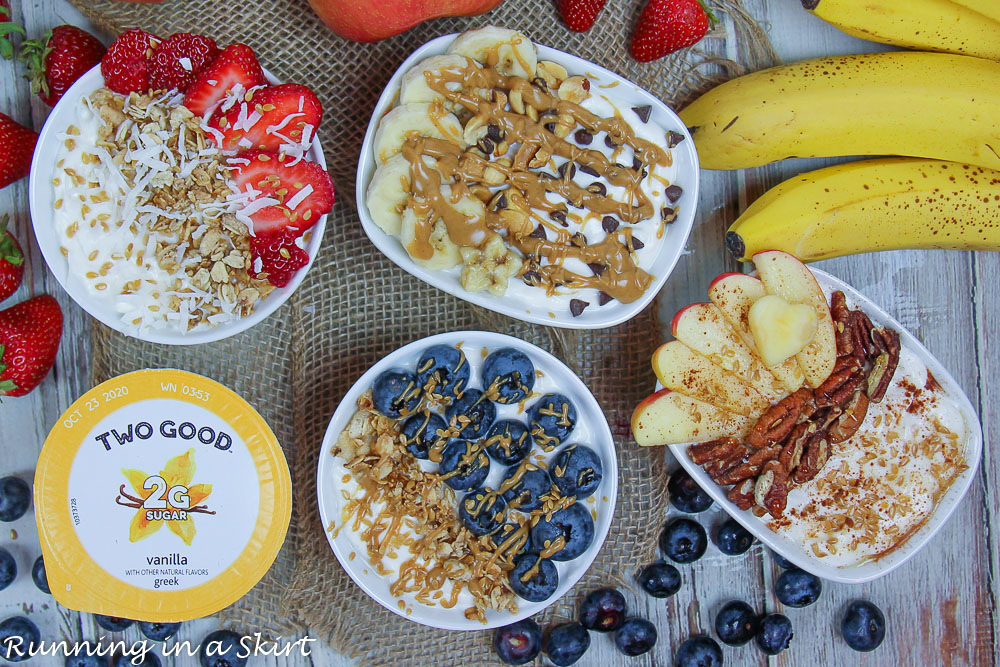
(591, 429)
(514, 305)
(40, 202)
(867, 571)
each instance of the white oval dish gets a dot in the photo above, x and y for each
(866, 571)
(40, 203)
(592, 429)
(513, 302)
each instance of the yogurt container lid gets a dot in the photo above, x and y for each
(160, 495)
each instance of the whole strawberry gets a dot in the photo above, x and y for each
(59, 59)
(7, 28)
(29, 339)
(126, 65)
(579, 15)
(179, 59)
(666, 26)
(17, 143)
(11, 261)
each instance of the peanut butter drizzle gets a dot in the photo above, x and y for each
(622, 279)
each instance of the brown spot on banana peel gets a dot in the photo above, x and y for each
(735, 118)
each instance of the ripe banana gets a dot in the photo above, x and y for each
(931, 105)
(421, 118)
(990, 8)
(414, 87)
(933, 25)
(872, 205)
(510, 51)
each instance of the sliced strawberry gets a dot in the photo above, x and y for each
(273, 176)
(235, 65)
(279, 257)
(275, 116)
(179, 59)
(125, 66)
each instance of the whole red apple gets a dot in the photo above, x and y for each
(373, 21)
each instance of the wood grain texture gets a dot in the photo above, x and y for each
(940, 606)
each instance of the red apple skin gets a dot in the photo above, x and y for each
(374, 21)
(652, 398)
(677, 317)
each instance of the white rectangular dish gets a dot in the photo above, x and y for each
(522, 301)
(870, 569)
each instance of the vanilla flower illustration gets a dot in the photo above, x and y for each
(179, 471)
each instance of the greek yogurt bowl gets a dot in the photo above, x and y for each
(48, 221)
(339, 494)
(663, 237)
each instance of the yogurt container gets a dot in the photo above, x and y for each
(160, 495)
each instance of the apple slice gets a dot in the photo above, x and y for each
(680, 368)
(734, 294)
(787, 277)
(702, 328)
(671, 418)
(780, 329)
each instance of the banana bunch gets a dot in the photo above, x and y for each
(969, 27)
(873, 205)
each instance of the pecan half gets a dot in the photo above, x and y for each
(749, 466)
(791, 453)
(850, 421)
(771, 489)
(817, 451)
(741, 495)
(861, 335)
(712, 450)
(842, 323)
(884, 366)
(779, 420)
(841, 383)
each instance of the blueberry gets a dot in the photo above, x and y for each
(566, 643)
(443, 371)
(774, 634)
(127, 660)
(112, 623)
(8, 569)
(17, 635)
(15, 498)
(782, 562)
(635, 637)
(222, 649)
(524, 490)
(661, 580)
(577, 471)
(574, 525)
(863, 626)
(732, 538)
(396, 393)
(521, 541)
(736, 623)
(508, 441)
(39, 577)
(84, 660)
(531, 583)
(422, 431)
(464, 466)
(686, 495)
(797, 588)
(510, 374)
(683, 541)
(698, 651)
(479, 410)
(482, 511)
(518, 643)
(551, 419)
(603, 610)
(159, 632)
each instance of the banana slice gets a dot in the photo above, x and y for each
(414, 87)
(446, 254)
(420, 118)
(511, 52)
(387, 193)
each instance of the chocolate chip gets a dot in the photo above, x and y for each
(583, 137)
(668, 215)
(598, 269)
(567, 165)
(539, 233)
(603, 298)
(551, 127)
(637, 244)
(636, 163)
(560, 217)
(500, 202)
(597, 189)
(609, 224)
(576, 307)
(642, 112)
(539, 82)
(620, 166)
(645, 173)
(609, 143)
(486, 145)
(579, 240)
(493, 132)
(531, 278)
(590, 171)
(674, 138)
(673, 193)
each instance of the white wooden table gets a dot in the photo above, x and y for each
(940, 607)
